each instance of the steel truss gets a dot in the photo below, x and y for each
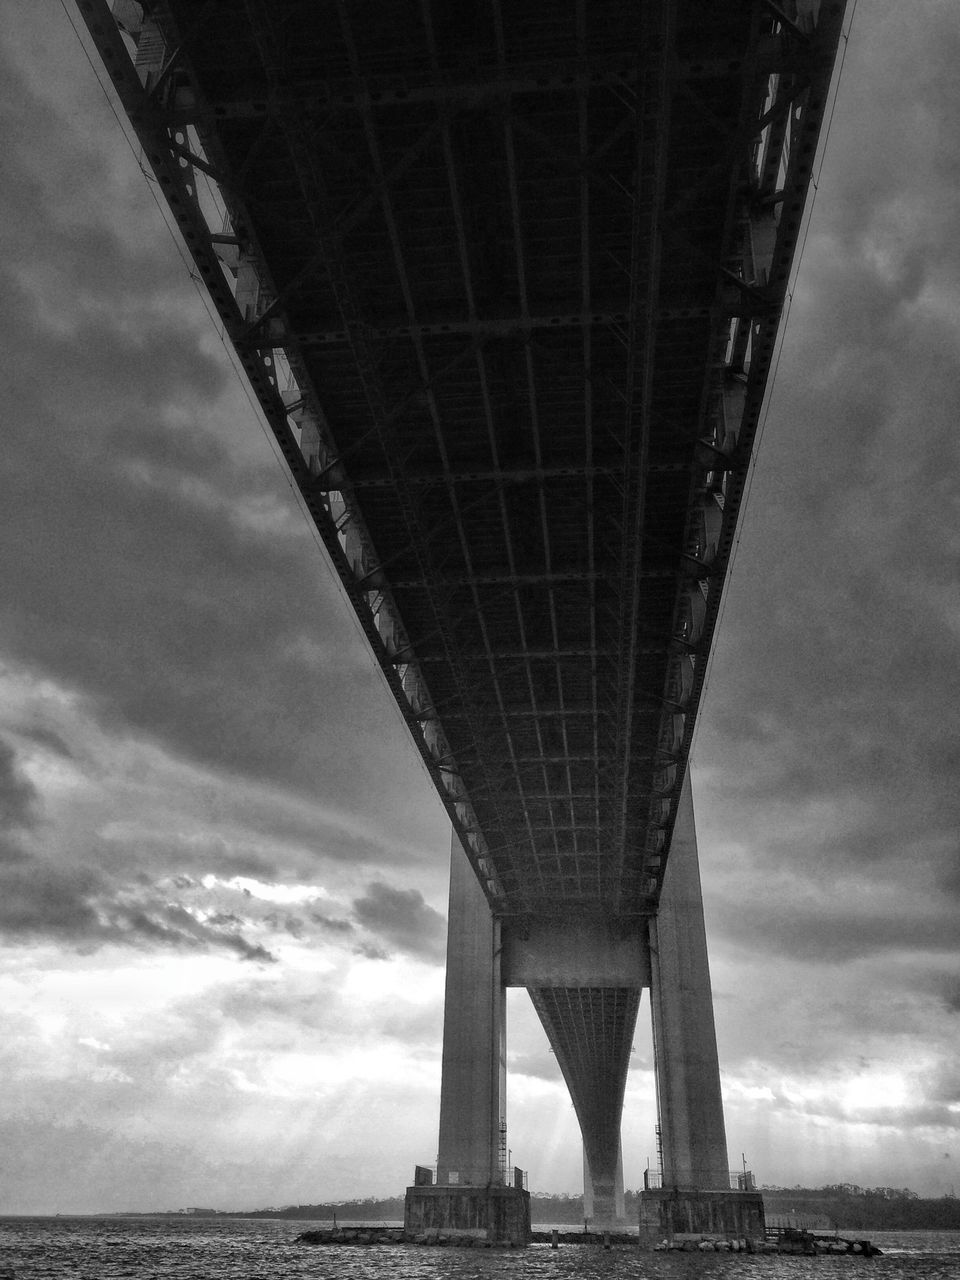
(506, 282)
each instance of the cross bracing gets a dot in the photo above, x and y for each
(506, 280)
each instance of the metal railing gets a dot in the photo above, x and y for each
(511, 1176)
(690, 1180)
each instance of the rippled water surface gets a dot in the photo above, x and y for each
(225, 1249)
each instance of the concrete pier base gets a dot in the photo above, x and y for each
(496, 1214)
(672, 1214)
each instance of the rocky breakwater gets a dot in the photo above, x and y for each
(395, 1235)
(811, 1243)
(693, 1244)
(352, 1235)
(805, 1243)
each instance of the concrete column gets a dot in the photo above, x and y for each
(473, 1081)
(603, 1201)
(684, 1036)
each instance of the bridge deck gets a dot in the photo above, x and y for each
(506, 280)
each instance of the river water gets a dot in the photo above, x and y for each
(256, 1249)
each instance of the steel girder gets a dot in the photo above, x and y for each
(506, 281)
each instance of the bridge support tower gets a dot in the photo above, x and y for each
(475, 1192)
(695, 1196)
(593, 967)
(690, 1107)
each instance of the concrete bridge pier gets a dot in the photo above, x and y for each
(473, 1084)
(474, 1192)
(695, 1198)
(583, 970)
(603, 1203)
(692, 1134)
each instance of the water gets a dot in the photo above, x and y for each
(255, 1249)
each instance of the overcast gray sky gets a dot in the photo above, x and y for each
(222, 869)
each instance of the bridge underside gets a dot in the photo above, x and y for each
(591, 1032)
(506, 280)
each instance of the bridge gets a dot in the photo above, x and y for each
(506, 280)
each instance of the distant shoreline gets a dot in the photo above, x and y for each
(877, 1209)
(874, 1209)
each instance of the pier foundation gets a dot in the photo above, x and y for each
(673, 1214)
(498, 1214)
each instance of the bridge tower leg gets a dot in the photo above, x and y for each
(696, 1197)
(473, 1080)
(603, 1203)
(471, 1194)
(692, 1133)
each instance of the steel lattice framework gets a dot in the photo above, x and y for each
(506, 279)
(591, 1032)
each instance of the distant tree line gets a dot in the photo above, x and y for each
(874, 1208)
(845, 1204)
(544, 1207)
(371, 1209)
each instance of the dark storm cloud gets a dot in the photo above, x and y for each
(157, 596)
(77, 902)
(161, 565)
(200, 855)
(370, 951)
(79, 907)
(292, 925)
(402, 919)
(95, 884)
(168, 924)
(332, 924)
(19, 811)
(944, 1085)
(836, 927)
(18, 795)
(950, 872)
(37, 900)
(46, 738)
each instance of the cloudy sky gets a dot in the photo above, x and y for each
(223, 870)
